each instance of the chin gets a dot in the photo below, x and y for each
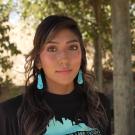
(65, 82)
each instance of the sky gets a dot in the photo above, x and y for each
(14, 15)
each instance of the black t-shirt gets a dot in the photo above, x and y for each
(66, 120)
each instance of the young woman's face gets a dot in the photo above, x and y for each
(61, 59)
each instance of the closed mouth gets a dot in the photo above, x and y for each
(64, 70)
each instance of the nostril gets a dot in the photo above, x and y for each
(63, 62)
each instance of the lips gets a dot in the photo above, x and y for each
(64, 71)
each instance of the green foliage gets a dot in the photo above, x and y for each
(81, 10)
(7, 49)
(84, 13)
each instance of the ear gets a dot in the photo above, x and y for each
(38, 64)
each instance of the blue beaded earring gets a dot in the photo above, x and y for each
(39, 82)
(80, 77)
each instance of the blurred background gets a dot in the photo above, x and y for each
(19, 19)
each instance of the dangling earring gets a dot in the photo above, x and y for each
(39, 81)
(80, 77)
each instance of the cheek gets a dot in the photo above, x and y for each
(46, 60)
(76, 58)
(77, 55)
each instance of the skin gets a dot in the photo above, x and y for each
(61, 60)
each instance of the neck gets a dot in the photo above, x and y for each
(60, 89)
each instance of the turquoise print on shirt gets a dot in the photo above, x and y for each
(68, 127)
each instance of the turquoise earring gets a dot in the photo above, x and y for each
(80, 77)
(39, 82)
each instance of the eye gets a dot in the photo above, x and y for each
(73, 47)
(52, 49)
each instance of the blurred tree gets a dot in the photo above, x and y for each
(123, 82)
(132, 25)
(7, 49)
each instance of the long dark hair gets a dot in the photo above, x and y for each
(34, 113)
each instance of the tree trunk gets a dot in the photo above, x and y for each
(98, 63)
(123, 88)
(98, 44)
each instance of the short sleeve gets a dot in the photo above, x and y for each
(3, 121)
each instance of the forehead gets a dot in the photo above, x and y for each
(62, 34)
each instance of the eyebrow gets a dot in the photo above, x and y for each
(70, 41)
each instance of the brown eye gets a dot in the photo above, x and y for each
(74, 47)
(52, 49)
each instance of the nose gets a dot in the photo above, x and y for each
(63, 57)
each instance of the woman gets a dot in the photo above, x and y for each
(59, 97)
